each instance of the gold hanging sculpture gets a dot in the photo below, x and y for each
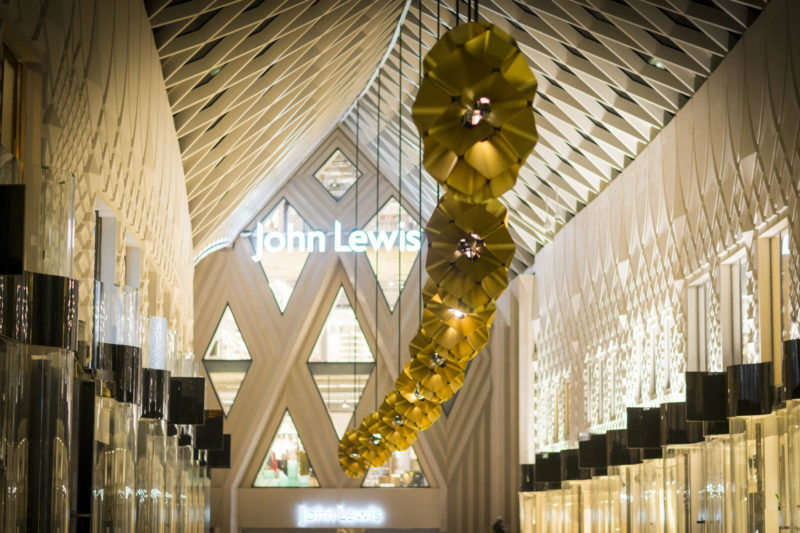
(474, 112)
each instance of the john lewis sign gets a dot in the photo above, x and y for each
(316, 241)
(342, 515)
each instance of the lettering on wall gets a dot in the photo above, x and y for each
(319, 515)
(317, 241)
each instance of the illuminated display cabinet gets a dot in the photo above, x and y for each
(683, 467)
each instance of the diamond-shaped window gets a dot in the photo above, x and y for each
(402, 470)
(337, 174)
(286, 463)
(283, 268)
(341, 362)
(227, 360)
(392, 262)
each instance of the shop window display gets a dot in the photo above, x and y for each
(283, 269)
(393, 266)
(337, 174)
(402, 470)
(227, 360)
(341, 362)
(286, 463)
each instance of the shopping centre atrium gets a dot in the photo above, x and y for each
(401, 265)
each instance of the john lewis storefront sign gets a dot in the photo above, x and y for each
(316, 241)
(338, 515)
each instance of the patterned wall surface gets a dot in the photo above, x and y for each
(611, 289)
(469, 456)
(106, 118)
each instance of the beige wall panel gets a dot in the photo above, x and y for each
(467, 458)
(107, 119)
(611, 296)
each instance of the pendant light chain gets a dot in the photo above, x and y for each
(438, 36)
(377, 221)
(458, 12)
(419, 147)
(355, 298)
(400, 201)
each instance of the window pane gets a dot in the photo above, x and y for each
(392, 266)
(402, 470)
(341, 362)
(227, 360)
(337, 174)
(283, 268)
(341, 339)
(286, 463)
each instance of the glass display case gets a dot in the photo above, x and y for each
(652, 496)
(171, 478)
(527, 520)
(151, 450)
(117, 337)
(38, 341)
(793, 463)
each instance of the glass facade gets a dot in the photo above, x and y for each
(392, 266)
(402, 470)
(337, 174)
(286, 463)
(227, 360)
(341, 362)
(283, 269)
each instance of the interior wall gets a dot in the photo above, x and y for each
(101, 111)
(611, 289)
(469, 457)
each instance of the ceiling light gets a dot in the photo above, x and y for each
(480, 109)
(458, 313)
(656, 63)
(470, 247)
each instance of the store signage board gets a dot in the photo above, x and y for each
(317, 241)
(340, 515)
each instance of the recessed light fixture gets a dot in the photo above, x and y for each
(656, 63)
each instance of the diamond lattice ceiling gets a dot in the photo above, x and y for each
(611, 74)
(255, 84)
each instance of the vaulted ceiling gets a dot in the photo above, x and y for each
(255, 85)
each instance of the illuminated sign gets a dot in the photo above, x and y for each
(316, 241)
(319, 515)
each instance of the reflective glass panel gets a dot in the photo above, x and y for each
(227, 360)
(392, 266)
(283, 268)
(286, 463)
(341, 362)
(402, 470)
(337, 174)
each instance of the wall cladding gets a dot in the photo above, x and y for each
(106, 118)
(470, 456)
(610, 309)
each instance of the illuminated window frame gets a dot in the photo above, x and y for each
(357, 364)
(13, 104)
(227, 363)
(359, 174)
(417, 258)
(774, 256)
(261, 267)
(269, 446)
